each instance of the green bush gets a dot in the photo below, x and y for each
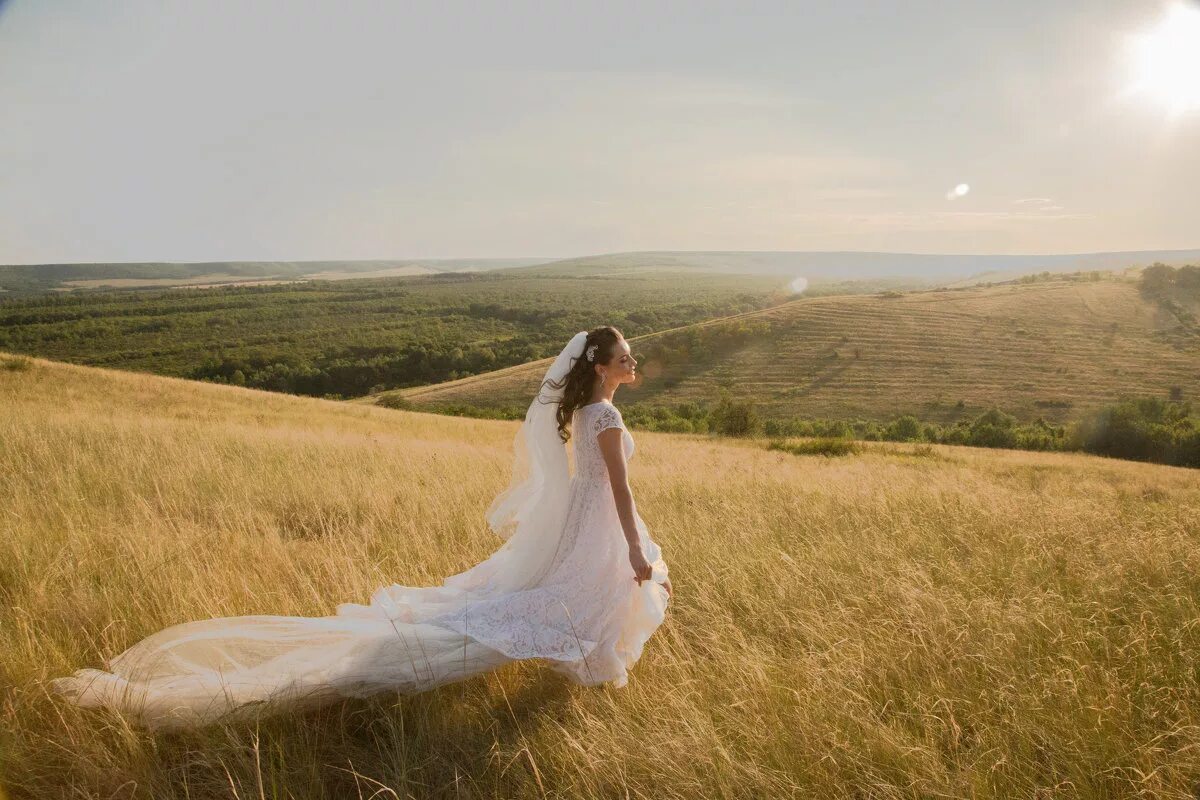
(16, 364)
(1144, 429)
(735, 418)
(993, 428)
(394, 401)
(817, 447)
(904, 429)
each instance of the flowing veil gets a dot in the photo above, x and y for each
(203, 671)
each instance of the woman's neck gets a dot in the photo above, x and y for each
(603, 394)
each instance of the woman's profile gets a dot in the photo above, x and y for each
(578, 582)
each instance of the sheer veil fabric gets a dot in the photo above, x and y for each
(560, 588)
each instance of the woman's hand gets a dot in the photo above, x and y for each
(641, 567)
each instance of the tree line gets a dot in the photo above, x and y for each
(1139, 428)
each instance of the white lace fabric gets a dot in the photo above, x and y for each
(590, 421)
(579, 607)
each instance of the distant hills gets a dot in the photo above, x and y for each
(938, 268)
(27, 278)
(910, 269)
(1051, 348)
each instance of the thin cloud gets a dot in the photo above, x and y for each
(938, 220)
(801, 168)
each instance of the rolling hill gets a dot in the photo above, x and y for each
(1051, 348)
(932, 622)
(346, 337)
(900, 270)
(911, 268)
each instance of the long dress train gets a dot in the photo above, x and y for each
(561, 588)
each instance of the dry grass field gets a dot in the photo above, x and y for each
(1053, 349)
(900, 623)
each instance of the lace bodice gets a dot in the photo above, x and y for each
(589, 421)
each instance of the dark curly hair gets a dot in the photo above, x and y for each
(581, 378)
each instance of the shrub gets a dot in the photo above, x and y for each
(676, 425)
(16, 364)
(395, 401)
(1053, 403)
(734, 418)
(905, 428)
(838, 427)
(817, 447)
(992, 428)
(1187, 279)
(1157, 280)
(1144, 429)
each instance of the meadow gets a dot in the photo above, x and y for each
(897, 621)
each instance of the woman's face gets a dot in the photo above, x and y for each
(622, 367)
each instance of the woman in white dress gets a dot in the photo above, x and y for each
(578, 582)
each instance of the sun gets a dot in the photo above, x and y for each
(1166, 60)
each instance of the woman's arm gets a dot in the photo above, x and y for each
(612, 447)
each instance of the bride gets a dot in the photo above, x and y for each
(578, 582)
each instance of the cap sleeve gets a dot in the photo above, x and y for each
(607, 417)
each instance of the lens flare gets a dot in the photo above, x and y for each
(958, 191)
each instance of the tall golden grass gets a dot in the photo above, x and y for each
(942, 622)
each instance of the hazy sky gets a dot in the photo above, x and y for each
(252, 130)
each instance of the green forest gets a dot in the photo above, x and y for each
(350, 338)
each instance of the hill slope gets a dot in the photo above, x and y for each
(346, 337)
(1052, 349)
(954, 622)
(931, 269)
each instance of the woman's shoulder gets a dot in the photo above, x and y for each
(605, 416)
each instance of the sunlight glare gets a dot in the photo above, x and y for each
(1166, 60)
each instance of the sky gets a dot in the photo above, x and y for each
(164, 130)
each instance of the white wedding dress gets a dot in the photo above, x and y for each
(561, 588)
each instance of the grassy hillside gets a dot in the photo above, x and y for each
(345, 338)
(1051, 348)
(897, 623)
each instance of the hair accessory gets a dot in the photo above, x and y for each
(591, 352)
